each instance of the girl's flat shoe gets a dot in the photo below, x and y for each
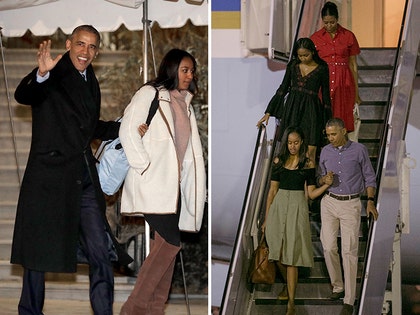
(284, 294)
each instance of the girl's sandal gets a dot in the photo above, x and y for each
(284, 294)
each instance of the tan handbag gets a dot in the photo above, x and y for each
(262, 270)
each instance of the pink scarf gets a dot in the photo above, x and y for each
(181, 121)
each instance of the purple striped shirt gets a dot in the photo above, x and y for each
(352, 168)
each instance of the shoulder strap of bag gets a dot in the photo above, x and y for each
(152, 111)
(153, 108)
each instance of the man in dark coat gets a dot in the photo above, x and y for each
(61, 208)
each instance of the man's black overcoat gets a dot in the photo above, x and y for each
(65, 119)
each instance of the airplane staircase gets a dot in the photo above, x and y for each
(385, 83)
(375, 77)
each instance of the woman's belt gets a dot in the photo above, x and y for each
(338, 63)
(301, 89)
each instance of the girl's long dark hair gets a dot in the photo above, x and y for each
(284, 153)
(168, 71)
(308, 44)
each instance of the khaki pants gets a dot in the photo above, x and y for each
(343, 216)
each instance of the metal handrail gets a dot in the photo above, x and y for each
(12, 126)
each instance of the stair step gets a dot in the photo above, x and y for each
(310, 299)
(65, 290)
(8, 174)
(8, 157)
(20, 125)
(372, 145)
(68, 286)
(23, 141)
(306, 293)
(5, 248)
(6, 229)
(319, 273)
(9, 191)
(300, 309)
(374, 68)
(12, 272)
(371, 130)
(383, 103)
(18, 111)
(374, 76)
(19, 56)
(8, 209)
(20, 61)
(374, 93)
(372, 112)
(374, 85)
(376, 57)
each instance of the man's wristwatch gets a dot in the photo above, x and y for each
(371, 199)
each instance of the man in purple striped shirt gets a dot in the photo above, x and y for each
(349, 164)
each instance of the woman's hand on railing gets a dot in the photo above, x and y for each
(264, 119)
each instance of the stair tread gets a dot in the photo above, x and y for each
(373, 103)
(375, 67)
(374, 85)
(299, 301)
(10, 167)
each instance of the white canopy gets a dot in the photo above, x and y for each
(43, 17)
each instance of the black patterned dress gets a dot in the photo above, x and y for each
(297, 101)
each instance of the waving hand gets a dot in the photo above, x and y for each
(45, 61)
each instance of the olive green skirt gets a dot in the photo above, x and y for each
(288, 232)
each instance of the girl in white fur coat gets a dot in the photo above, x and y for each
(166, 180)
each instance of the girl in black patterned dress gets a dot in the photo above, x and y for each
(297, 101)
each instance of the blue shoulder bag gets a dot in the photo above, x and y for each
(113, 164)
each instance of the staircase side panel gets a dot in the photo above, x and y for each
(380, 254)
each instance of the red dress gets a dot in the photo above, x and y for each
(336, 52)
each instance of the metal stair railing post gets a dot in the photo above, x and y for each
(12, 127)
(187, 302)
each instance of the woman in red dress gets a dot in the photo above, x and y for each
(338, 47)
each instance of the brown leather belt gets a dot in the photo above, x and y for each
(343, 197)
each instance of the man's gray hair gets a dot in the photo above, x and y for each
(336, 122)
